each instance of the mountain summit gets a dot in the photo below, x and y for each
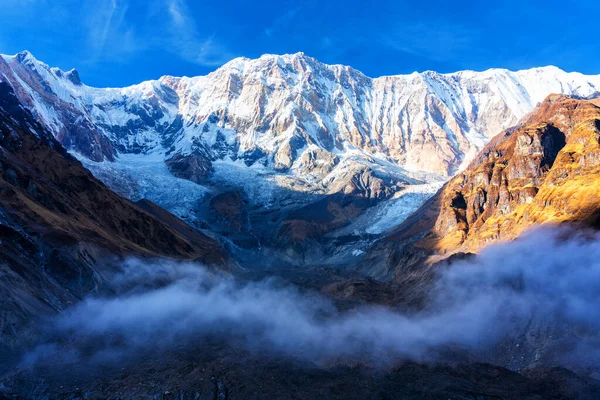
(282, 133)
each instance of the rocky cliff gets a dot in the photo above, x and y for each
(546, 170)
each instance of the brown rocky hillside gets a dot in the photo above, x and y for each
(547, 170)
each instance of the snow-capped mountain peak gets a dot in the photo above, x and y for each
(424, 121)
(315, 126)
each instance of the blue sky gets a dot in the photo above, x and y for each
(120, 42)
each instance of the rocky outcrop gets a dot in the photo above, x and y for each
(230, 208)
(318, 162)
(301, 234)
(362, 181)
(543, 171)
(195, 167)
(284, 158)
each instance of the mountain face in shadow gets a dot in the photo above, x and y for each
(60, 225)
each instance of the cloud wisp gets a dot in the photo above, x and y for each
(281, 20)
(119, 30)
(186, 41)
(539, 293)
(435, 40)
(107, 30)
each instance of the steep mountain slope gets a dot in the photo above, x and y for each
(59, 225)
(546, 170)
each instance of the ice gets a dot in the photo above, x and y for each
(258, 182)
(390, 213)
(145, 176)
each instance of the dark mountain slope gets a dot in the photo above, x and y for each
(57, 222)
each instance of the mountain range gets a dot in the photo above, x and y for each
(370, 193)
(276, 110)
(293, 146)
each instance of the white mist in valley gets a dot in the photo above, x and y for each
(534, 293)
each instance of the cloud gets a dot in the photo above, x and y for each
(108, 34)
(117, 30)
(435, 40)
(327, 42)
(281, 20)
(185, 40)
(516, 304)
(105, 23)
(175, 8)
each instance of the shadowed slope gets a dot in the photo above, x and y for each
(57, 222)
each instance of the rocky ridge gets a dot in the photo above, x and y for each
(545, 171)
(62, 229)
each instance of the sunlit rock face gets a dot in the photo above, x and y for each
(545, 170)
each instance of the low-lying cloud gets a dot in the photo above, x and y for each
(531, 294)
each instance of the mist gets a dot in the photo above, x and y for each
(529, 301)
